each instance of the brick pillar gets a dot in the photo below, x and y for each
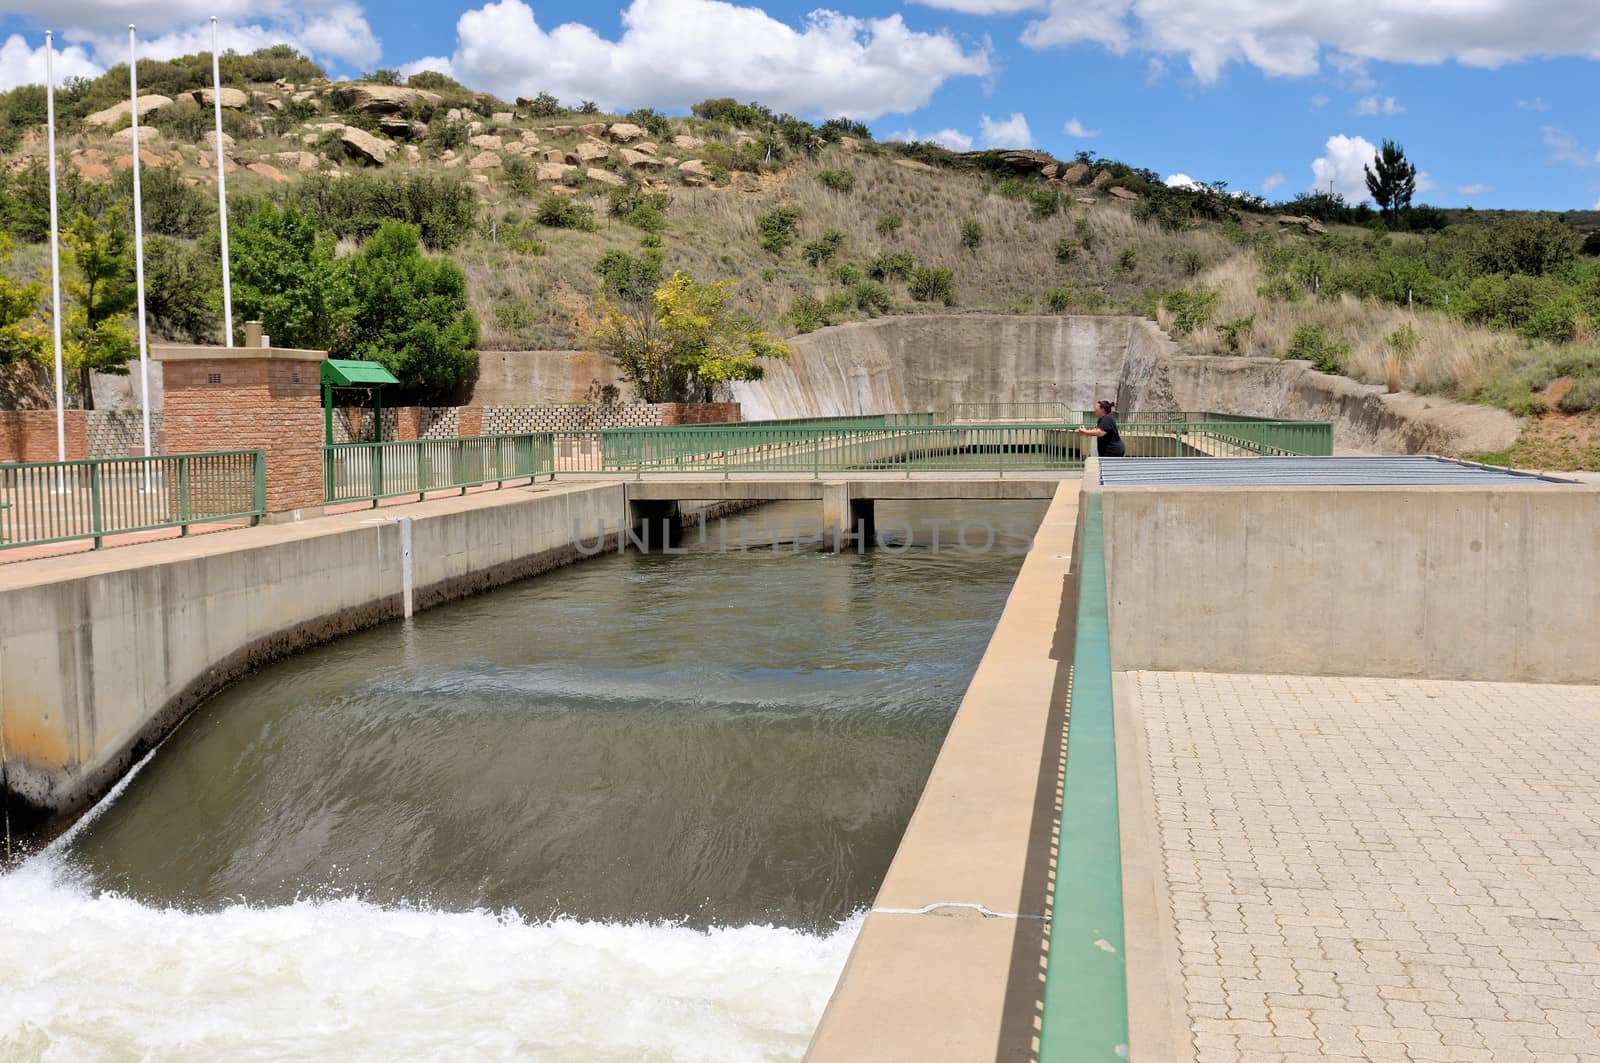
(30, 435)
(470, 422)
(251, 398)
(407, 423)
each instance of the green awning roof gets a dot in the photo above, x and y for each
(349, 372)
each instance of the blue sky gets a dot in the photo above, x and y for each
(1493, 99)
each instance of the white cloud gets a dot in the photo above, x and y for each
(672, 53)
(953, 139)
(97, 33)
(1272, 182)
(437, 63)
(1425, 182)
(1535, 104)
(1345, 166)
(1010, 132)
(1155, 70)
(1472, 190)
(1295, 37)
(1564, 147)
(1388, 105)
(23, 64)
(1075, 128)
(1180, 180)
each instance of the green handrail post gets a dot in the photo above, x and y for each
(1085, 1015)
(183, 495)
(95, 524)
(375, 473)
(260, 461)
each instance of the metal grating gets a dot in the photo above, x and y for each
(1306, 472)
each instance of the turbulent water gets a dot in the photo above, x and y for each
(630, 810)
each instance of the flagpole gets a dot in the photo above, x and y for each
(222, 189)
(138, 246)
(55, 252)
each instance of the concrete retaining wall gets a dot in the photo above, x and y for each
(104, 653)
(1446, 582)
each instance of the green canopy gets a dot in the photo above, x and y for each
(350, 372)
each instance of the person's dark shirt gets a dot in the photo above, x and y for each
(1110, 444)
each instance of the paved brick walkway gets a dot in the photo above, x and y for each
(1381, 869)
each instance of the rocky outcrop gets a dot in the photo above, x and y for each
(694, 172)
(364, 144)
(554, 171)
(688, 143)
(486, 142)
(604, 177)
(487, 160)
(638, 160)
(1101, 179)
(112, 115)
(381, 99)
(625, 133)
(590, 151)
(267, 170)
(1127, 195)
(233, 99)
(1076, 174)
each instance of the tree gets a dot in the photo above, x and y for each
(1391, 180)
(21, 334)
(100, 294)
(409, 312)
(285, 276)
(183, 289)
(686, 344)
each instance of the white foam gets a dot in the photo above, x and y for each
(95, 976)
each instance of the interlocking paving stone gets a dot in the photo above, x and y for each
(1380, 868)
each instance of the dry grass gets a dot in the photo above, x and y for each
(1452, 357)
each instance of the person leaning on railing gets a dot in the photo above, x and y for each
(1109, 441)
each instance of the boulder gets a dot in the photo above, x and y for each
(147, 158)
(266, 169)
(1290, 219)
(647, 147)
(307, 162)
(553, 155)
(364, 144)
(381, 99)
(302, 96)
(147, 135)
(559, 130)
(516, 147)
(591, 151)
(502, 117)
(453, 115)
(688, 143)
(1126, 194)
(554, 171)
(274, 104)
(593, 129)
(913, 164)
(233, 99)
(638, 160)
(448, 155)
(1076, 174)
(625, 133)
(486, 142)
(694, 172)
(485, 161)
(1101, 179)
(413, 153)
(605, 177)
(90, 169)
(476, 126)
(396, 125)
(113, 115)
(849, 143)
(1051, 170)
(1315, 228)
(530, 137)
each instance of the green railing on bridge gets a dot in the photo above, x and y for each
(367, 472)
(61, 501)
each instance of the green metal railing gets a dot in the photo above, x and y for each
(61, 501)
(367, 472)
(1086, 990)
(863, 420)
(1008, 413)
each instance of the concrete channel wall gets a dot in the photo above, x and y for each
(105, 652)
(1499, 584)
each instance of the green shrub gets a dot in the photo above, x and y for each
(933, 285)
(891, 264)
(623, 201)
(889, 224)
(1066, 248)
(838, 180)
(545, 105)
(354, 206)
(646, 217)
(847, 275)
(1190, 310)
(971, 234)
(820, 251)
(650, 119)
(1555, 320)
(1047, 202)
(1312, 344)
(445, 136)
(871, 297)
(560, 212)
(1128, 259)
(779, 228)
(1583, 395)
(1235, 332)
(172, 207)
(1192, 263)
(628, 276)
(1058, 300)
(1282, 290)
(520, 175)
(1011, 188)
(808, 313)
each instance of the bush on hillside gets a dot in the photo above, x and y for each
(561, 212)
(779, 228)
(932, 285)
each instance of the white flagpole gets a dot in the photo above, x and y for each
(55, 251)
(222, 189)
(138, 246)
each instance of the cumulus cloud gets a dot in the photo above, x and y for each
(1564, 147)
(1319, 101)
(1010, 132)
(1472, 190)
(1180, 180)
(1370, 105)
(1295, 37)
(437, 63)
(1272, 182)
(1535, 104)
(1344, 165)
(1075, 128)
(672, 53)
(953, 139)
(97, 33)
(23, 64)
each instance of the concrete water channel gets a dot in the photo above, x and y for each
(1073, 881)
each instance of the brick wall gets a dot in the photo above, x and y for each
(266, 404)
(30, 435)
(120, 433)
(470, 421)
(699, 412)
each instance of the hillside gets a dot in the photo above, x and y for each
(544, 208)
